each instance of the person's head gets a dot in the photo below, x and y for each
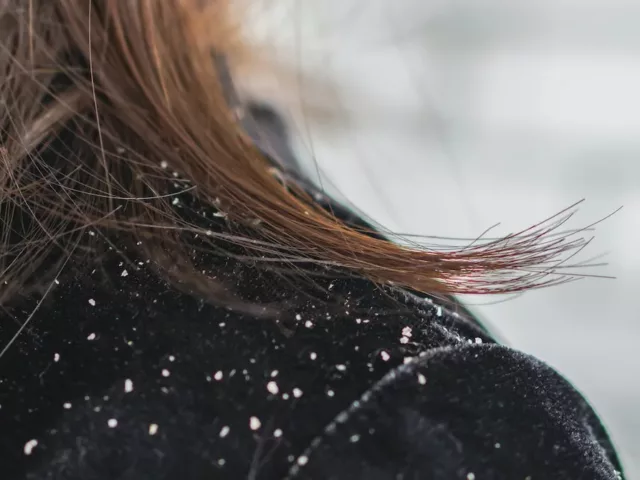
(112, 110)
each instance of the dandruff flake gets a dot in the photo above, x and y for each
(272, 388)
(29, 446)
(254, 423)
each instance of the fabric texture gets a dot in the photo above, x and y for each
(121, 376)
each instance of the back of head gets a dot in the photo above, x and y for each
(111, 110)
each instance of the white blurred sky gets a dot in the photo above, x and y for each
(452, 115)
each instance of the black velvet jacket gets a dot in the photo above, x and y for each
(120, 376)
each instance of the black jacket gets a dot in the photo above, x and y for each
(120, 376)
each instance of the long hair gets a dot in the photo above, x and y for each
(107, 105)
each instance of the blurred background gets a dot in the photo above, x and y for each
(444, 117)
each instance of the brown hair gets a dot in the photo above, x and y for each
(100, 96)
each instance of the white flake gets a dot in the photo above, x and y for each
(272, 387)
(224, 431)
(277, 433)
(92, 302)
(385, 356)
(302, 460)
(29, 446)
(254, 423)
(112, 422)
(92, 336)
(153, 429)
(165, 372)
(422, 380)
(297, 392)
(218, 375)
(128, 386)
(56, 357)
(66, 405)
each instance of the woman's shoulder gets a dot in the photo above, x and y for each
(121, 376)
(113, 354)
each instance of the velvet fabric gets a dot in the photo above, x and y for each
(119, 375)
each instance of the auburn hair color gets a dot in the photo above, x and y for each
(103, 100)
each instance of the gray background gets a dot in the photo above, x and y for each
(443, 117)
